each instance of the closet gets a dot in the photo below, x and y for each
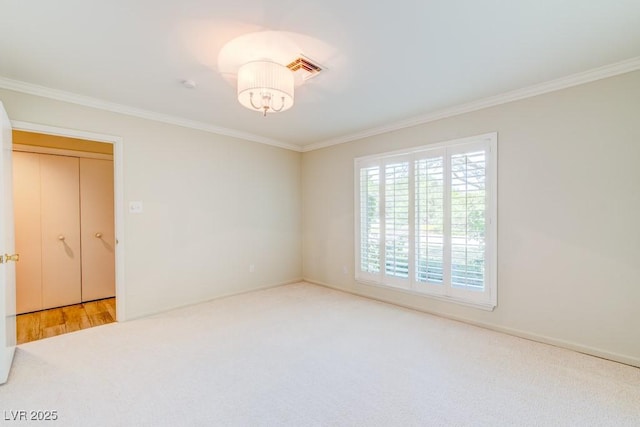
(64, 230)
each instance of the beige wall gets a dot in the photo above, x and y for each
(213, 205)
(568, 209)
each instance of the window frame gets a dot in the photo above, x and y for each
(486, 299)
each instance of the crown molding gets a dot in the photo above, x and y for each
(577, 79)
(603, 72)
(86, 101)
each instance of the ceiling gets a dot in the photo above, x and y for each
(385, 62)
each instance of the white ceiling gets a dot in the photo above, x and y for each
(386, 61)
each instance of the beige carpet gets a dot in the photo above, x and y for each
(303, 355)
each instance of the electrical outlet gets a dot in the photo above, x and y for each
(135, 207)
(345, 269)
(252, 268)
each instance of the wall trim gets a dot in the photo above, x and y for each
(87, 101)
(544, 339)
(577, 79)
(118, 177)
(221, 296)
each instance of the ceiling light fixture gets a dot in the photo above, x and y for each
(265, 85)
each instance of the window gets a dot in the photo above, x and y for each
(426, 220)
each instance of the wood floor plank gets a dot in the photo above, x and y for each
(53, 331)
(57, 321)
(78, 324)
(53, 317)
(100, 319)
(73, 312)
(92, 307)
(28, 327)
(109, 306)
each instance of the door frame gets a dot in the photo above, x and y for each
(118, 193)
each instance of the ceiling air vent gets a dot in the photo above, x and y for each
(306, 66)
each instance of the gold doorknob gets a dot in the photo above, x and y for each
(98, 235)
(61, 237)
(14, 257)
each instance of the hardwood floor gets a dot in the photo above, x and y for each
(58, 321)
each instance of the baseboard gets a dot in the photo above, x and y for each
(557, 342)
(217, 297)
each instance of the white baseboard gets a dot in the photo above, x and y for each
(580, 348)
(217, 297)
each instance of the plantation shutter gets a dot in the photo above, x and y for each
(370, 233)
(425, 220)
(396, 223)
(429, 219)
(468, 219)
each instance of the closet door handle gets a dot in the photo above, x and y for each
(61, 237)
(98, 235)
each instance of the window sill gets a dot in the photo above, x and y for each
(486, 306)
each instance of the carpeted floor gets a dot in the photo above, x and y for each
(304, 355)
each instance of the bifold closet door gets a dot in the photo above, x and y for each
(60, 219)
(26, 207)
(97, 224)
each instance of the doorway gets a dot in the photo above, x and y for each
(96, 308)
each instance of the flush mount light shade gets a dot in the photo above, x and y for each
(265, 86)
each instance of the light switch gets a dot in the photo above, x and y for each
(135, 207)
